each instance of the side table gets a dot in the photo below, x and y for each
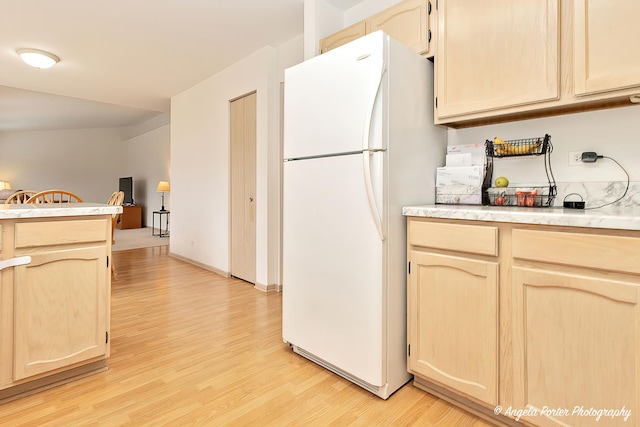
(161, 232)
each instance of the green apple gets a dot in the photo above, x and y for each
(502, 182)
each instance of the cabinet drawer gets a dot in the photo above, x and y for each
(31, 234)
(473, 239)
(613, 253)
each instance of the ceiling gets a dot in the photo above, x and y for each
(120, 60)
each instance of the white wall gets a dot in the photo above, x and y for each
(365, 9)
(85, 162)
(147, 161)
(320, 20)
(200, 162)
(611, 132)
(89, 162)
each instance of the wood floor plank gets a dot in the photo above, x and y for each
(190, 347)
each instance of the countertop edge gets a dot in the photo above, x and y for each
(56, 210)
(612, 218)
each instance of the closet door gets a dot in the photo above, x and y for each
(243, 188)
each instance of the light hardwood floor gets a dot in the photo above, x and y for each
(190, 347)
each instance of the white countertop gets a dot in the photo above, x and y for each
(56, 210)
(610, 218)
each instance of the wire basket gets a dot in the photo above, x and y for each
(519, 196)
(517, 147)
(534, 197)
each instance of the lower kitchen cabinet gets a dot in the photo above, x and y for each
(577, 344)
(453, 323)
(60, 310)
(54, 311)
(576, 324)
(546, 321)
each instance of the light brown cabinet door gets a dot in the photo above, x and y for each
(606, 35)
(61, 310)
(453, 323)
(343, 36)
(576, 344)
(495, 54)
(407, 22)
(243, 188)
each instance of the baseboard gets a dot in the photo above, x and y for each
(51, 381)
(480, 411)
(201, 265)
(268, 288)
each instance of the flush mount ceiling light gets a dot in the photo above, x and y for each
(38, 58)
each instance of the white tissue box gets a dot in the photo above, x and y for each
(466, 175)
(476, 151)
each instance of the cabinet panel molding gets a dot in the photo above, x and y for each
(61, 310)
(476, 44)
(605, 45)
(576, 341)
(343, 36)
(407, 22)
(457, 348)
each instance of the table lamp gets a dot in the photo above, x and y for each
(162, 187)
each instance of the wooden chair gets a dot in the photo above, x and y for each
(115, 199)
(54, 196)
(20, 197)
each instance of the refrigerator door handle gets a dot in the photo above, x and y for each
(366, 133)
(369, 186)
(366, 153)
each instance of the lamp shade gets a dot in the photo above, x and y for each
(38, 58)
(4, 185)
(163, 186)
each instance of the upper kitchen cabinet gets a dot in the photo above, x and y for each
(495, 54)
(605, 39)
(499, 60)
(409, 22)
(344, 36)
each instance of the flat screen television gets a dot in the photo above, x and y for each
(126, 186)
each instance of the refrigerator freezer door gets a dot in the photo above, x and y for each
(333, 286)
(328, 99)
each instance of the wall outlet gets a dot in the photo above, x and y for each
(575, 158)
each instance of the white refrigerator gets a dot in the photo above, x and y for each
(359, 144)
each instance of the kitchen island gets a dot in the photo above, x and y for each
(54, 293)
(529, 313)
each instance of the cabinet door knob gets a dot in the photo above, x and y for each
(250, 199)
